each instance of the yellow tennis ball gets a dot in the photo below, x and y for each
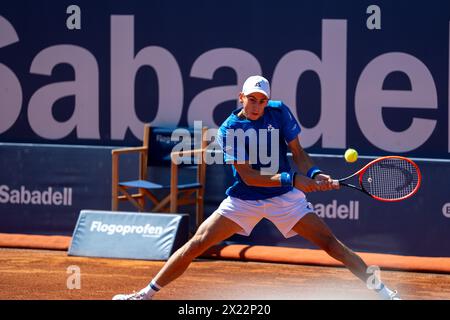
(351, 155)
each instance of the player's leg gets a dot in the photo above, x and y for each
(314, 229)
(213, 230)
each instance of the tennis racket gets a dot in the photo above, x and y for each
(390, 178)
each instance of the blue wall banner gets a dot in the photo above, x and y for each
(128, 235)
(44, 187)
(374, 77)
(76, 80)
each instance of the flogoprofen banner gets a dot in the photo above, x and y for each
(373, 77)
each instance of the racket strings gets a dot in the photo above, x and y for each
(390, 178)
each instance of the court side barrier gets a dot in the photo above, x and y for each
(128, 235)
(268, 254)
(31, 241)
(321, 258)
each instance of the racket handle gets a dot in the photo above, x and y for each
(336, 184)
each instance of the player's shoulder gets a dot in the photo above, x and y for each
(277, 104)
(231, 122)
(278, 108)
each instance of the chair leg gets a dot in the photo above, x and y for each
(114, 182)
(149, 195)
(173, 187)
(160, 206)
(114, 202)
(131, 199)
(141, 201)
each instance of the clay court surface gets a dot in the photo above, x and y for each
(42, 275)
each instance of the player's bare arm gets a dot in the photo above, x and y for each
(254, 177)
(304, 162)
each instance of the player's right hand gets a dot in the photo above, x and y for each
(325, 182)
(306, 184)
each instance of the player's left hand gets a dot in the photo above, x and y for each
(325, 182)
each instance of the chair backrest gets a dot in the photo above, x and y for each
(160, 144)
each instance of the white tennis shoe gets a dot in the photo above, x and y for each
(394, 296)
(132, 296)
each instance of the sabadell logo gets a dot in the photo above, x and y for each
(49, 196)
(446, 210)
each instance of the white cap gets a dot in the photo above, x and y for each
(256, 84)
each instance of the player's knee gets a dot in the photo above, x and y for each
(194, 247)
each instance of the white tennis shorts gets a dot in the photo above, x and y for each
(284, 211)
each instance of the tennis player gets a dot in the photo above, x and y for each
(255, 194)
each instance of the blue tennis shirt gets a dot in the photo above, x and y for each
(243, 140)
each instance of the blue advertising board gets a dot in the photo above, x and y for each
(374, 77)
(44, 187)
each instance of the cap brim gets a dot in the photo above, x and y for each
(257, 90)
